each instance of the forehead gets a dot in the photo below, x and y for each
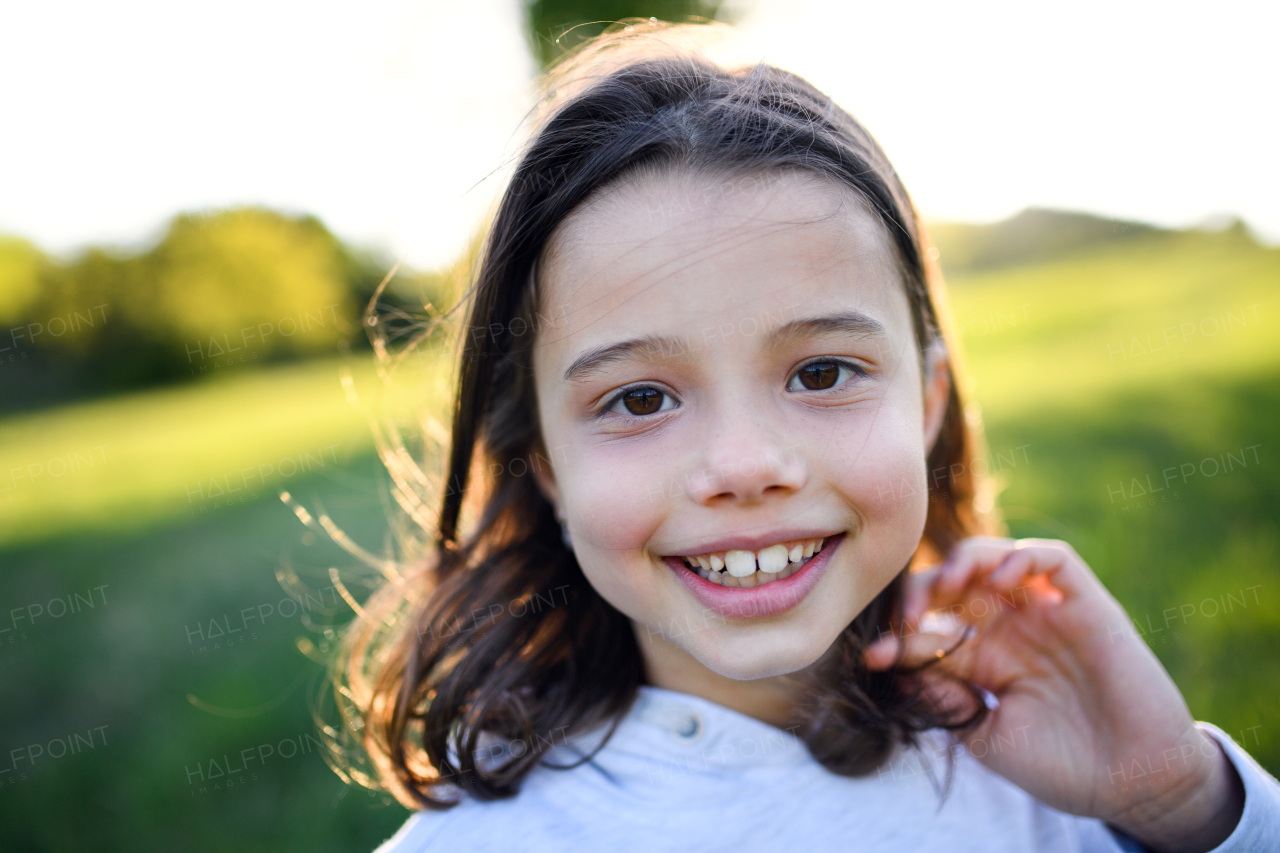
(675, 253)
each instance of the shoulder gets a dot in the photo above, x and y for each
(419, 832)
(440, 830)
(524, 822)
(529, 821)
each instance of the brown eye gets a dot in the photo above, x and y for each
(642, 401)
(819, 375)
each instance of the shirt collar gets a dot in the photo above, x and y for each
(667, 727)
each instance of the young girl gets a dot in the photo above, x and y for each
(708, 571)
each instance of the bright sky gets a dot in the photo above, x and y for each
(385, 117)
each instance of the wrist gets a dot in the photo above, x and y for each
(1197, 813)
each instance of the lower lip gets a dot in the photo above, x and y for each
(754, 602)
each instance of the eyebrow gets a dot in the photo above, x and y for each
(853, 323)
(595, 360)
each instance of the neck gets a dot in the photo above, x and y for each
(770, 700)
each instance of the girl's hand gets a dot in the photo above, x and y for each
(1088, 721)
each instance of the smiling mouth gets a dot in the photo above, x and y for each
(754, 568)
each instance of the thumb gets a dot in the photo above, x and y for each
(938, 637)
(882, 653)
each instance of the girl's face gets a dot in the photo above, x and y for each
(728, 365)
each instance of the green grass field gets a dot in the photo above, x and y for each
(1182, 311)
(1089, 402)
(188, 661)
(133, 461)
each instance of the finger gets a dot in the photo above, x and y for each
(941, 623)
(978, 554)
(1024, 560)
(915, 602)
(919, 589)
(882, 653)
(921, 648)
(1057, 561)
(939, 636)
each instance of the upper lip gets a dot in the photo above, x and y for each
(756, 541)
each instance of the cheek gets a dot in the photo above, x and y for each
(614, 497)
(613, 503)
(610, 492)
(880, 466)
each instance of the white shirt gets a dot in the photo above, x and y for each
(683, 773)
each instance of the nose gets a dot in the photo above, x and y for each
(746, 461)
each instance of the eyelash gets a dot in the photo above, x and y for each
(628, 418)
(616, 399)
(856, 369)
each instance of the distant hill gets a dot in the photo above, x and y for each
(1033, 236)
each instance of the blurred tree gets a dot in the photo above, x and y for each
(20, 267)
(230, 288)
(254, 273)
(248, 272)
(551, 20)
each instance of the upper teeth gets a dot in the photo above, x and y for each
(750, 568)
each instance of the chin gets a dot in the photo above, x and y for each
(762, 662)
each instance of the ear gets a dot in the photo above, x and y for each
(937, 391)
(545, 478)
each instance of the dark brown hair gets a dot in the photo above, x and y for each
(496, 629)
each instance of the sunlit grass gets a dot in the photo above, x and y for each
(1164, 311)
(134, 460)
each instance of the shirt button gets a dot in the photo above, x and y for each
(690, 728)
